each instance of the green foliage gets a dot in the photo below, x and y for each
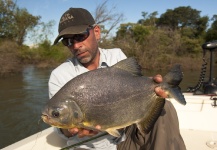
(6, 19)
(186, 19)
(137, 32)
(149, 20)
(140, 32)
(23, 22)
(161, 47)
(44, 54)
(212, 32)
(15, 22)
(180, 17)
(41, 32)
(191, 46)
(201, 26)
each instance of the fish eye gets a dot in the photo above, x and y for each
(55, 114)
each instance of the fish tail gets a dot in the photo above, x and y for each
(176, 93)
(171, 83)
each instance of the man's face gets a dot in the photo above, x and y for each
(84, 50)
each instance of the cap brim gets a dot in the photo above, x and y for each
(71, 30)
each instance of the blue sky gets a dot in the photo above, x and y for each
(132, 9)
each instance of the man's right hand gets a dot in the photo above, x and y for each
(81, 132)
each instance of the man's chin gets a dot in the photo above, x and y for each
(84, 60)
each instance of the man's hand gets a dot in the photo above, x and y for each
(81, 132)
(160, 92)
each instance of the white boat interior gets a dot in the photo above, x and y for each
(197, 121)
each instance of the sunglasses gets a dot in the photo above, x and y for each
(77, 37)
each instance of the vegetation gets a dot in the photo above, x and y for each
(15, 22)
(157, 42)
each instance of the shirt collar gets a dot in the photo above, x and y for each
(102, 60)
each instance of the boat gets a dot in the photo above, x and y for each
(197, 120)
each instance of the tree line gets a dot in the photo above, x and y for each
(175, 36)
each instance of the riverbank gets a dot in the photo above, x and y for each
(14, 58)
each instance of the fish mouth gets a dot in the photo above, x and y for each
(48, 120)
(45, 118)
(52, 122)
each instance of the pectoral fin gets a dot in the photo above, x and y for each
(113, 132)
(147, 123)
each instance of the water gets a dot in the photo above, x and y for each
(23, 96)
(21, 99)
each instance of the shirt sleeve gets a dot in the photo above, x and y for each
(53, 85)
(121, 55)
(60, 76)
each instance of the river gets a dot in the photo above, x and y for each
(23, 96)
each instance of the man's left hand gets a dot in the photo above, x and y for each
(160, 92)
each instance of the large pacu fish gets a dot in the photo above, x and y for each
(113, 97)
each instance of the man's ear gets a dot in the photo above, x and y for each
(97, 32)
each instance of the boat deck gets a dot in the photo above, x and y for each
(197, 121)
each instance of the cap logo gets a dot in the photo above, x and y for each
(66, 17)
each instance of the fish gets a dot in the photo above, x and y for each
(114, 98)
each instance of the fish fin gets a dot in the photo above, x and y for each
(173, 79)
(174, 76)
(130, 65)
(176, 93)
(76, 113)
(88, 126)
(146, 124)
(113, 132)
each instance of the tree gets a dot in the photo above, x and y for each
(148, 20)
(168, 19)
(108, 19)
(185, 19)
(41, 32)
(15, 22)
(212, 31)
(23, 23)
(6, 18)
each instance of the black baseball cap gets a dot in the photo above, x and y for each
(74, 21)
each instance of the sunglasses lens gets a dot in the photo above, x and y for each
(80, 37)
(77, 37)
(65, 41)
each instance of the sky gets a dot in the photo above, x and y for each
(132, 9)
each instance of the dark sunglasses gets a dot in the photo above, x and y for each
(77, 37)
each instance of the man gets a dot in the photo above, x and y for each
(78, 31)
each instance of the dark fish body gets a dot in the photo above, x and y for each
(113, 98)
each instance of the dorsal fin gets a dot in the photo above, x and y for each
(129, 65)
